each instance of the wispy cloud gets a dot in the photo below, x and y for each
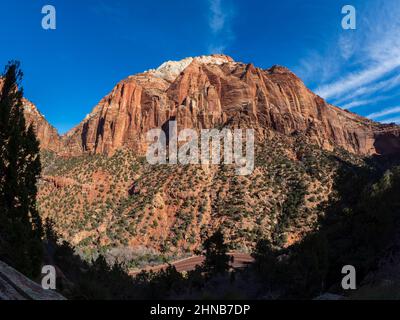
(358, 103)
(220, 24)
(392, 120)
(316, 65)
(218, 16)
(366, 102)
(347, 46)
(358, 79)
(380, 86)
(363, 62)
(385, 112)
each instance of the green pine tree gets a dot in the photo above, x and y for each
(20, 225)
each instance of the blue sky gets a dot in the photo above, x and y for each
(99, 42)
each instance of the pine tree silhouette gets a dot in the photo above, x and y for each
(20, 225)
(216, 254)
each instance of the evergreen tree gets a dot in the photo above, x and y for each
(20, 225)
(265, 262)
(216, 254)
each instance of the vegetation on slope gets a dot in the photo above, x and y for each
(120, 206)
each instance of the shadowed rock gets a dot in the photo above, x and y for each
(15, 286)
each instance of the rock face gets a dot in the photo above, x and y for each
(214, 91)
(15, 286)
(46, 133)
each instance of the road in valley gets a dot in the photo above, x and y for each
(240, 260)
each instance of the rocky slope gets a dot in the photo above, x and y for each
(140, 213)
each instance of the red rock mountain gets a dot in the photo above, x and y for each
(214, 91)
(114, 200)
(210, 91)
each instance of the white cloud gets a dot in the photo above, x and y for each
(392, 120)
(365, 102)
(366, 57)
(315, 65)
(385, 112)
(347, 46)
(220, 24)
(357, 79)
(381, 86)
(218, 17)
(358, 103)
(217, 48)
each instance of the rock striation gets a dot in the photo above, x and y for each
(216, 91)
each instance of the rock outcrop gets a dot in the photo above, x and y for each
(15, 286)
(47, 135)
(45, 132)
(215, 91)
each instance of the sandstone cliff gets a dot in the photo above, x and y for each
(46, 133)
(214, 91)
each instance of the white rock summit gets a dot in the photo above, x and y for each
(170, 70)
